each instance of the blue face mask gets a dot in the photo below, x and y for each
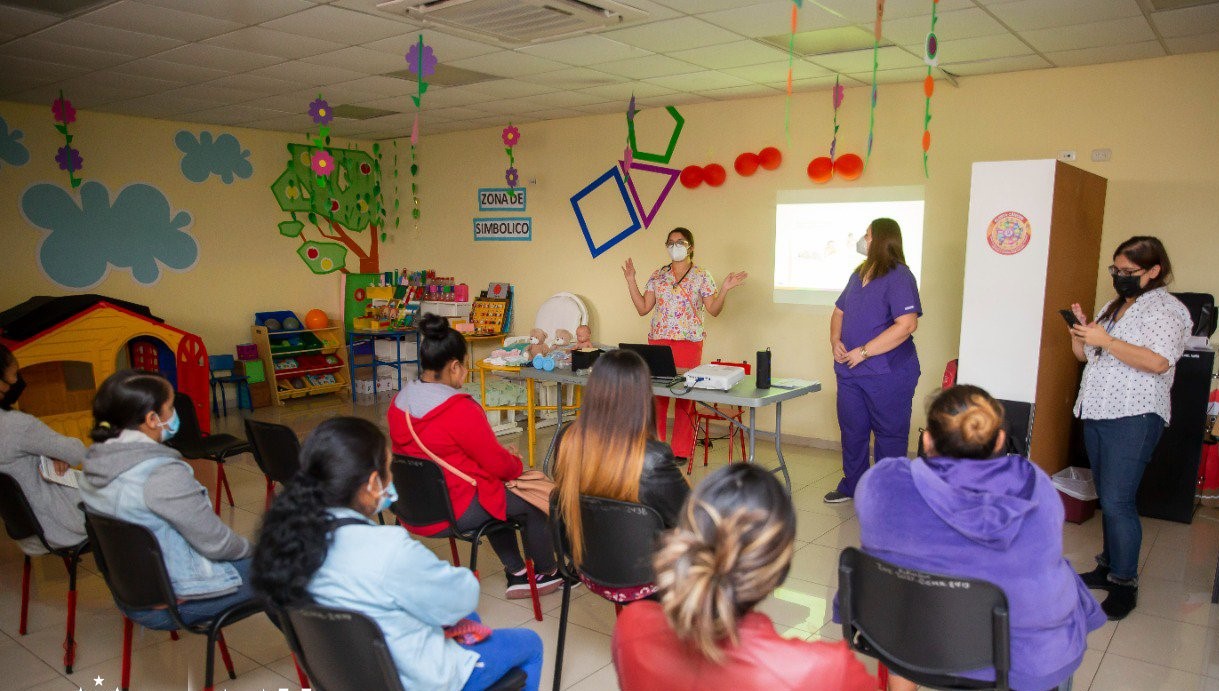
(389, 495)
(170, 427)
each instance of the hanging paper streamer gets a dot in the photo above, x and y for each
(68, 158)
(931, 56)
(320, 161)
(880, 14)
(397, 192)
(421, 61)
(627, 155)
(839, 93)
(511, 136)
(791, 60)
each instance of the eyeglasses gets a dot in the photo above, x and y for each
(1114, 271)
(679, 243)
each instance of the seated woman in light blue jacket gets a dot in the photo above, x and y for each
(319, 545)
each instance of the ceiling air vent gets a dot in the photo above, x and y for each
(518, 22)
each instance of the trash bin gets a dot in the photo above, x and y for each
(1078, 493)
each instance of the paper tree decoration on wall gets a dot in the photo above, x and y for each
(204, 156)
(12, 151)
(511, 136)
(931, 56)
(67, 157)
(421, 61)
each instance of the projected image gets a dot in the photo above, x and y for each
(815, 244)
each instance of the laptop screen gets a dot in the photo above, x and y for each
(659, 358)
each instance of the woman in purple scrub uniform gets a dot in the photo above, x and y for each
(874, 358)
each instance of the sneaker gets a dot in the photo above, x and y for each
(518, 584)
(1122, 599)
(836, 497)
(1097, 579)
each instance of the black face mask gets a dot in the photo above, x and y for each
(14, 392)
(1128, 286)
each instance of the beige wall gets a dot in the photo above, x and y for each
(1158, 117)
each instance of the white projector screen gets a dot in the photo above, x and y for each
(816, 232)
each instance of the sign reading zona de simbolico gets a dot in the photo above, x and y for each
(503, 228)
(501, 199)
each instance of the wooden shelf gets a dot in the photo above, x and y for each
(331, 338)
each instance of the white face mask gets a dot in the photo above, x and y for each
(862, 246)
(677, 252)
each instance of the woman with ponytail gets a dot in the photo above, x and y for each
(732, 547)
(130, 474)
(968, 510)
(318, 543)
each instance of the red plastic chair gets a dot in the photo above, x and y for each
(704, 420)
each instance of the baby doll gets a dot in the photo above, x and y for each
(584, 337)
(537, 344)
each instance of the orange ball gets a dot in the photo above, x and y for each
(821, 169)
(770, 158)
(848, 167)
(928, 86)
(715, 174)
(926, 140)
(316, 319)
(746, 164)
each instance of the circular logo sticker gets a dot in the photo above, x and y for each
(1009, 233)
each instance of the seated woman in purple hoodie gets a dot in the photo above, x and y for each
(967, 510)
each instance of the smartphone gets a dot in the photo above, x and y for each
(1069, 317)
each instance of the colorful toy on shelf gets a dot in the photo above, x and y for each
(300, 362)
(489, 315)
(543, 362)
(563, 339)
(316, 319)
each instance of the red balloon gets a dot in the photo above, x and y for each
(691, 177)
(848, 167)
(770, 158)
(746, 164)
(821, 169)
(714, 174)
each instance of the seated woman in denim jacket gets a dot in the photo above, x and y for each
(131, 475)
(319, 544)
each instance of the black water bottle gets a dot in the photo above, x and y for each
(763, 369)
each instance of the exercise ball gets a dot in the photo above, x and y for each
(715, 174)
(770, 158)
(316, 319)
(691, 177)
(746, 164)
(848, 167)
(821, 169)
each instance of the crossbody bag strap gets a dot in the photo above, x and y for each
(440, 461)
(340, 522)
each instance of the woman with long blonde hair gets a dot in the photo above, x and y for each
(611, 451)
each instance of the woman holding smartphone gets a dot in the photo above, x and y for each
(1131, 351)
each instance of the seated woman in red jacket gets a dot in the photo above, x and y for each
(452, 425)
(731, 548)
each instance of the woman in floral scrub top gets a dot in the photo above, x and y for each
(676, 294)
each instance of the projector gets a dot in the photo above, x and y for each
(721, 377)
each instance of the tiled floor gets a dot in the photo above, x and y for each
(1171, 642)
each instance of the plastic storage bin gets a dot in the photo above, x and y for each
(1078, 493)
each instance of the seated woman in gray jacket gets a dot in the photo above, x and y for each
(611, 451)
(131, 475)
(24, 439)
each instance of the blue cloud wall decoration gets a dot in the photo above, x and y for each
(205, 156)
(12, 151)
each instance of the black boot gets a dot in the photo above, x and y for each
(1122, 599)
(1097, 579)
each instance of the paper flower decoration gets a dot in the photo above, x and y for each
(322, 163)
(320, 111)
(69, 159)
(511, 177)
(839, 92)
(511, 135)
(63, 111)
(421, 60)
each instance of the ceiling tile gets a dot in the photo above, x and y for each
(455, 114)
(572, 78)
(1092, 56)
(622, 92)
(264, 41)
(692, 6)
(972, 49)
(226, 59)
(1193, 44)
(304, 73)
(949, 26)
(1189, 21)
(864, 12)
(78, 33)
(446, 48)
(747, 91)
(75, 56)
(337, 24)
(213, 95)
(242, 11)
(676, 98)
(510, 88)
(733, 54)
(562, 99)
(81, 91)
(650, 66)
(584, 50)
(771, 18)
(174, 72)
(160, 105)
(820, 83)
(255, 84)
(672, 34)
(1026, 15)
(232, 115)
(891, 57)
(374, 87)
(130, 85)
(898, 76)
(1094, 35)
(288, 102)
(40, 71)
(361, 60)
(1013, 64)
(776, 72)
(507, 63)
(159, 21)
(552, 114)
(437, 97)
(285, 123)
(698, 81)
(18, 22)
(14, 83)
(598, 108)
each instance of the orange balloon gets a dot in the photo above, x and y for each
(926, 140)
(746, 164)
(770, 158)
(928, 86)
(316, 319)
(714, 174)
(691, 177)
(821, 169)
(848, 167)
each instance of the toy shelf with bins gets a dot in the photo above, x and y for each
(306, 362)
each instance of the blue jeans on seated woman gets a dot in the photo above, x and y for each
(197, 611)
(503, 651)
(1119, 451)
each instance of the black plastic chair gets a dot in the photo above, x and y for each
(928, 628)
(423, 500)
(191, 443)
(21, 523)
(130, 559)
(619, 540)
(277, 451)
(342, 650)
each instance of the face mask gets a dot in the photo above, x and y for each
(14, 392)
(1128, 286)
(862, 246)
(677, 252)
(170, 428)
(389, 495)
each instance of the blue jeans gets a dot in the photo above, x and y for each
(196, 611)
(1119, 451)
(502, 651)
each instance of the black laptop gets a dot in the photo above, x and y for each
(659, 359)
